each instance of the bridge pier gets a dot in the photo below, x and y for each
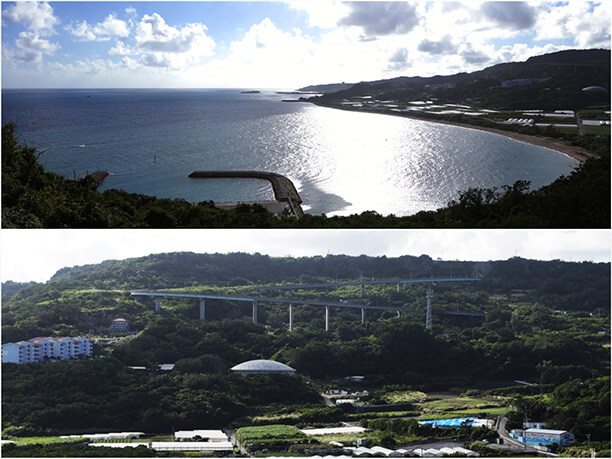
(157, 306)
(326, 318)
(290, 317)
(254, 312)
(429, 319)
(202, 309)
(362, 316)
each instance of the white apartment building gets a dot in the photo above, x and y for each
(45, 348)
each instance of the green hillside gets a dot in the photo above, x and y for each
(558, 79)
(544, 322)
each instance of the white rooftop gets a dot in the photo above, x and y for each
(192, 446)
(106, 436)
(546, 431)
(334, 430)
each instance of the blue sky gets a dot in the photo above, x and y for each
(280, 44)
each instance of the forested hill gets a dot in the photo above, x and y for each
(545, 322)
(582, 285)
(558, 79)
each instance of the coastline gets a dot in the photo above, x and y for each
(577, 153)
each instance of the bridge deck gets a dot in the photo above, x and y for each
(344, 284)
(268, 300)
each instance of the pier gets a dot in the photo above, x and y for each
(283, 188)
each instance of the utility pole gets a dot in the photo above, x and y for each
(588, 444)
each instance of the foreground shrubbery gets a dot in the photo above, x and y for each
(33, 198)
(62, 450)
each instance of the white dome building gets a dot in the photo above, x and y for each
(262, 367)
(594, 89)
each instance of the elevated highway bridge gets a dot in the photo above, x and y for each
(363, 283)
(255, 301)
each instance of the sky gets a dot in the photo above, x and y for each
(35, 255)
(280, 44)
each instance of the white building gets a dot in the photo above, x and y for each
(120, 324)
(45, 348)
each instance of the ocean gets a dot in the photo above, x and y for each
(341, 162)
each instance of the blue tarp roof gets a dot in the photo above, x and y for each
(457, 422)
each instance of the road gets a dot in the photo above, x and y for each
(513, 444)
(328, 400)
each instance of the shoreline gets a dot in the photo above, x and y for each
(577, 153)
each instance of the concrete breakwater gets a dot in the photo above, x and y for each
(95, 179)
(283, 188)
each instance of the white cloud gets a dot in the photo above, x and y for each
(322, 14)
(399, 60)
(30, 47)
(443, 46)
(102, 31)
(120, 49)
(113, 27)
(264, 56)
(382, 18)
(510, 15)
(520, 52)
(34, 16)
(473, 56)
(349, 42)
(165, 46)
(588, 23)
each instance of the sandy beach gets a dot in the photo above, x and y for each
(579, 154)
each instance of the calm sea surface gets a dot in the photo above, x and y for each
(341, 162)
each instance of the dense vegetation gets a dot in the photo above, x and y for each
(274, 437)
(34, 198)
(62, 450)
(104, 394)
(556, 84)
(579, 405)
(521, 337)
